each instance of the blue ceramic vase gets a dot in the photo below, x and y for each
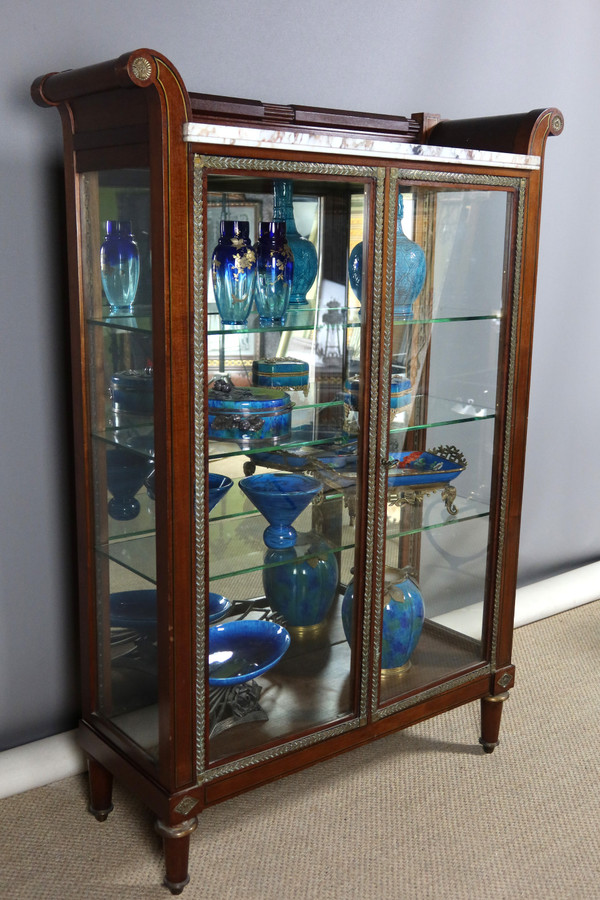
(280, 498)
(305, 256)
(355, 267)
(300, 582)
(119, 266)
(274, 273)
(234, 272)
(402, 621)
(125, 474)
(410, 269)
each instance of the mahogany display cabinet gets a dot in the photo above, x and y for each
(299, 434)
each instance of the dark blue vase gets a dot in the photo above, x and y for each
(119, 266)
(305, 256)
(234, 272)
(402, 621)
(301, 582)
(410, 269)
(274, 273)
(355, 267)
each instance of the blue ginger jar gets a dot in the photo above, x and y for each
(303, 250)
(402, 620)
(301, 582)
(234, 272)
(410, 269)
(274, 273)
(119, 266)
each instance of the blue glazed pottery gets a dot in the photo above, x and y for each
(355, 267)
(281, 371)
(234, 272)
(402, 620)
(119, 266)
(410, 269)
(218, 607)
(241, 651)
(305, 256)
(132, 391)
(218, 485)
(249, 416)
(134, 609)
(274, 273)
(280, 498)
(300, 582)
(125, 474)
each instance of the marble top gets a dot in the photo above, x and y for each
(273, 139)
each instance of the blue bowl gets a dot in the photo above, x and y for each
(134, 609)
(241, 651)
(218, 606)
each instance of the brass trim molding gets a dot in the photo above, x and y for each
(226, 163)
(383, 712)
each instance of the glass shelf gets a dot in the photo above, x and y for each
(140, 320)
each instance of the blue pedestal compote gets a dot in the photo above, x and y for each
(300, 582)
(241, 651)
(402, 620)
(280, 498)
(274, 273)
(234, 272)
(305, 256)
(125, 475)
(410, 269)
(238, 652)
(218, 485)
(119, 266)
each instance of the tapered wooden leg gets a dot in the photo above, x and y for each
(176, 844)
(491, 713)
(101, 782)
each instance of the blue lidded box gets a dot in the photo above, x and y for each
(248, 416)
(281, 372)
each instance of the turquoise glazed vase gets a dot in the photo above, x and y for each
(234, 272)
(402, 621)
(119, 266)
(300, 582)
(410, 269)
(303, 250)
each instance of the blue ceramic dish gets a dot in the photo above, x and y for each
(426, 468)
(218, 607)
(241, 651)
(414, 469)
(134, 609)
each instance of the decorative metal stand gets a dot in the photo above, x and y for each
(238, 704)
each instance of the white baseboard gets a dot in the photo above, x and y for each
(42, 762)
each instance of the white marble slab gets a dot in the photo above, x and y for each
(272, 139)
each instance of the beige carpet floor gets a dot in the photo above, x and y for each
(418, 815)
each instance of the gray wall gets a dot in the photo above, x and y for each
(459, 59)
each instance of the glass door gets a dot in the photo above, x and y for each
(453, 254)
(115, 225)
(280, 253)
